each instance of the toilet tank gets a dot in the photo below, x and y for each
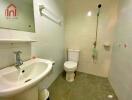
(73, 55)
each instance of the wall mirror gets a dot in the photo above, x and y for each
(17, 15)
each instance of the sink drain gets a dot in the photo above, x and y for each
(28, 80)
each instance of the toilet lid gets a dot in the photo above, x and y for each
(70, 64)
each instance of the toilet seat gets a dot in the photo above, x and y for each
(70, 66)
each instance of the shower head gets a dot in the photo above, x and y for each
(99, 6)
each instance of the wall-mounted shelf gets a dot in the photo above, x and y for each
(15, 41)
(107, 44)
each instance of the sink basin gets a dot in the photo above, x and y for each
(13, 81)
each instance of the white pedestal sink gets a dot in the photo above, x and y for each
(22, 84)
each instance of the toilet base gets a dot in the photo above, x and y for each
(70, 76)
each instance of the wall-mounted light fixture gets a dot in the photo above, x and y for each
(49, 14)
(89, 13)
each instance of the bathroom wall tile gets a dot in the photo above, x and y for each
(121, 67)
(7, 56)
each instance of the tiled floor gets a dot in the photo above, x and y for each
(85, 87)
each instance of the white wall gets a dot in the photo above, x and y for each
(7, 56)
(121, 69)
(80, 32)
(50, 38)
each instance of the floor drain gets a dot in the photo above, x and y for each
(110, 96)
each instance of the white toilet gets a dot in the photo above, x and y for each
(70, 66)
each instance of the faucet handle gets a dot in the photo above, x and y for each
(18, 52)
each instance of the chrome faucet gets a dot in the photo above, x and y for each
(19, 61)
